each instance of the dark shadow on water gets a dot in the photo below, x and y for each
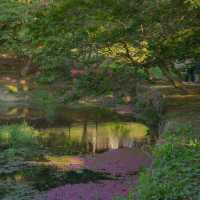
(43, 177)
(62, 116)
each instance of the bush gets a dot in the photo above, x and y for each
(46, 102)
(119, 81)
(10, 190)
(149, 106)
(93, 83)
(19, 139)
(17, 136)
(175, 174)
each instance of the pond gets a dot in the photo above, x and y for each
(62, 148)
(97, 129)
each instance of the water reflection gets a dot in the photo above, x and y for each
(79, 130)
(63, 116)
(95, 137)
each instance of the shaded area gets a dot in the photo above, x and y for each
(105, 190)
(123, 164)
(43, 177)
(39, 117)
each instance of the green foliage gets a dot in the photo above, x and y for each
(148, 115)
(156, 72)
(194, 3)
(184, 134)
(47, 177)
(93, 83)
(119, 81)
(130, 197)
(47, 103)
(130, 33)
(120, 28)
(10, 164)
(149, 106)
(175, 173)
(10, 190)
(14, 17)
(17, 136)
(18, 142)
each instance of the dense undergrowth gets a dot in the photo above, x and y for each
(18, 143)
(175, 173)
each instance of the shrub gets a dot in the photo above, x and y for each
(18, 135)
(175, 174)
(19, 139)
(46, 102)
(130, 197)
(10, 190)
(93, 83)
(149, 106)
(119, 81)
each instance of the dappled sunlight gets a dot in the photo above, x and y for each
(19, 178)
(125, 53)
(12, 88)
(162, 86)
(12, 111)
(64, 163)
(184, 96)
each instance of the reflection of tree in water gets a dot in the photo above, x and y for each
(84, 139)
(19, 112)
(118, 134)
(93, 137)
(89, 137)
(99, 137)
(69, 131)
(56, 141)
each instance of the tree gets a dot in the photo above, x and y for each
(140, 34)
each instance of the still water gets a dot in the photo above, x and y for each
(97, 137)
(85, 129)
(65, 139)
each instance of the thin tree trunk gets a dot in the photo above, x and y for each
(177, 72)
(27, 67)
(168, 75)
(85, 136)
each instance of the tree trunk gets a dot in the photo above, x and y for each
(168, 75)
(27, 67)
